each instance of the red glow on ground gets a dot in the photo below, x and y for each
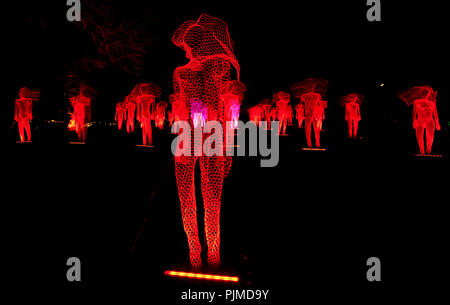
(202, 276)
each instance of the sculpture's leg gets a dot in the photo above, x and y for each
(317, 133)
(212, 171)
(21, 131)
(184, 172)
(144, 132)
(349, 123)
(419, 136)
(430, 136)
(355, 128)
(28, 129)
(308, 132)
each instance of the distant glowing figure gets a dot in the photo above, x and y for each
(300, 114)
(197, 84)
(160, 115)
(130, 107)
(284, 110)
(311, 92)
(425, 116)
(256, 114)
(145, 96)
(24, 111)
(180, 109)
(352, 103)
(232, 94)
(266, 106)
(170, 117)
(121, 114)
(199, 112)
(81, 115)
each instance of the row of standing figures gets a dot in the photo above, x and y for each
(141, 105)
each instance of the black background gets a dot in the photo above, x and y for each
(302, 229)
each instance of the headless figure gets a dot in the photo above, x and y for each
(352, 116)
(23, 114)
(425, 117)
(314, 114)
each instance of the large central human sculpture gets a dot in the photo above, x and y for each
(199, 86)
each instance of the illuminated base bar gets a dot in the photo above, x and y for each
(141, 145)
(20, 142)
(428, 156)
(202, 276)
(314, 149)
(77, 143)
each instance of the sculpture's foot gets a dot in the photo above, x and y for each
(196, 262)
(214, 260)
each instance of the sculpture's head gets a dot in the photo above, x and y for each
(205, 37)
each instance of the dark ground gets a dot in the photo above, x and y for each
(302, 229)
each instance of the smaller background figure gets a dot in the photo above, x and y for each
(144, 96)
(256, 114)
(300, 114)
(160, 115)
(352, 103)
(284, 110)
(81, 114)
(266, 105)
(232, 94)
(130, 107)
(121, 114)
(311, 93)
(425, 116)
(23, 113)
(179, 110)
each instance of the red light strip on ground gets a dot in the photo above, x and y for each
(202, 276)
(429, 156)
(314, 149)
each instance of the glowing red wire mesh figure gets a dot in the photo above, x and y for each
(266, 106)
(198, 83)
(23, 112)
(300, 114)
(121, 114)
(352, 103)
(232, 94)
(311, 92)
(170, 117)
(81, 115)
(130, 107)
(145, 96)
(256, 114)
(284, 110)
(425, 116)
(160, 114)
(180, 110)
